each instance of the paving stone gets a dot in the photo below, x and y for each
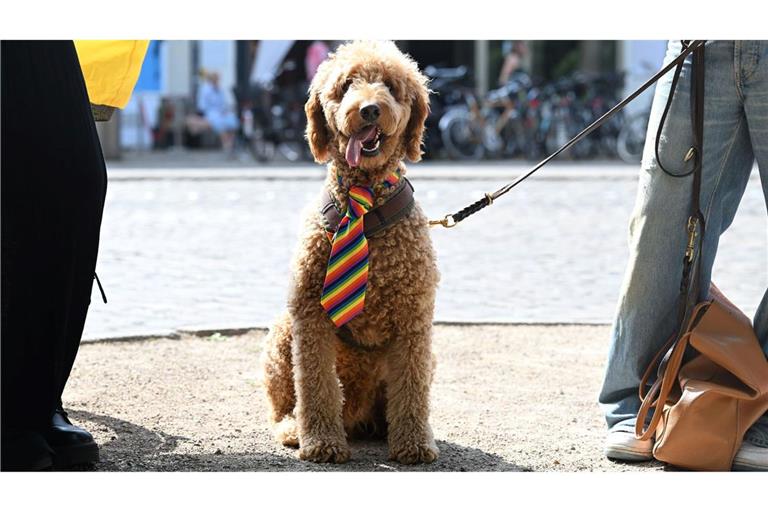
(216, 252)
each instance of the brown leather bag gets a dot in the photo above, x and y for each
(712, 383)
(705, 406)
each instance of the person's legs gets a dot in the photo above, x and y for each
(227, 141)
(230, 125)
(53, 186)
(646, 312)
(754, 88)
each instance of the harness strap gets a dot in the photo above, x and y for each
(344, 333)
(398, 205)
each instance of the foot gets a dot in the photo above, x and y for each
(315, 450)
(753, 454)
(72, 446)
(25, 450)
(286, 432)
(415, 453)
(751, 458)
(621, 444)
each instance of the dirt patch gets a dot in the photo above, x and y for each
(505, 398)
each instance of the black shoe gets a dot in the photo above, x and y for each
(73, 446)
(25, 450)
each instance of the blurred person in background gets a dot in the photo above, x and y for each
(212, 103)
(317, 52)
(514, 52)
(162, 132)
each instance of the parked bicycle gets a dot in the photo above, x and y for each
(273, 122)
(530, 120)
(631, 139)
(449, 86)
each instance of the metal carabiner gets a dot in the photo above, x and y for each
(446, 222)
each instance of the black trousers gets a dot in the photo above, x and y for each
(53, 187)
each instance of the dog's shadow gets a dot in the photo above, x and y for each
(132, 447)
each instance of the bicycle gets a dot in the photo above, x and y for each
(492, 127)
(631, 139)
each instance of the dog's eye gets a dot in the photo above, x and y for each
(346, 85)
(391, 86)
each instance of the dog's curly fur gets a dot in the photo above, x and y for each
(321, 390)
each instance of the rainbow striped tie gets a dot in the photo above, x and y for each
(346, 277)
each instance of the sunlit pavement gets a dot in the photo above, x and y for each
(186, 246)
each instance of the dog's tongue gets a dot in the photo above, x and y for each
(355, 144)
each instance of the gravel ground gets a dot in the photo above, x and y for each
(505, 398)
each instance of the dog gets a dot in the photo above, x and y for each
(366, 111)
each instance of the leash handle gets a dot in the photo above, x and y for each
(451, 220)
(473, 208)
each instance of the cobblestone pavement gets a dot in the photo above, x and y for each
(213, 249)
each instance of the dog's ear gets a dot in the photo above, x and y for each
(318, 134)
(414, 131)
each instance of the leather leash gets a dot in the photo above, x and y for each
(452, 220)
(688, 306)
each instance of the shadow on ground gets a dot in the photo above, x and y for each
(132, 447)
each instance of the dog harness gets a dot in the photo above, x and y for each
(346, 277)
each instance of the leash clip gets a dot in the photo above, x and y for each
(446, 222)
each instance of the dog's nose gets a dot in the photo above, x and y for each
(370, 112)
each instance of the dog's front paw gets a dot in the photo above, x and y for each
(414, 453)
(324, 451)
(286, 432)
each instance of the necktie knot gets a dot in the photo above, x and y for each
(360, 201)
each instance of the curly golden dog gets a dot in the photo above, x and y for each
(366, 111)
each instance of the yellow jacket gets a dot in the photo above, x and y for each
(111, 69)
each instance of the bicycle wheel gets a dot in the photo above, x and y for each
(631, 139)
(587, 147)
(492, 140)
(261, 150)
(557, 135)
(461, 138)
(514, 138)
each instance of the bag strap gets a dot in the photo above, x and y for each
(654, 364)
(659, 392)
(668, 368)
(688, 310)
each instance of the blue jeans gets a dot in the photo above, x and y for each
(735, 133)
